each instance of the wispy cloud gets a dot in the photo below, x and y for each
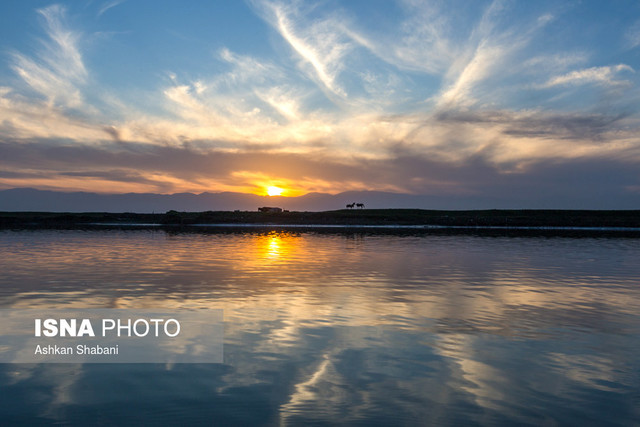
(488, 53)
(321, 44)
(108, 5)
(246, 69)
(425, 43)
(283, 101)
(598, 75)
(459, 93)
(57, 71)
(553, 63)
(633, 35)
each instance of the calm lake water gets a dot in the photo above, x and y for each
(335, 328)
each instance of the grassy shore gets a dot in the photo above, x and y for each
(471, 218)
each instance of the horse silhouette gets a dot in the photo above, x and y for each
(360, 205)
(351, 205)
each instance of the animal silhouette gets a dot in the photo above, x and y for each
(351, 205)
(360, 205)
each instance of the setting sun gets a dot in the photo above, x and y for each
(274, 191)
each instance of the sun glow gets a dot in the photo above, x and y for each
(274, 191)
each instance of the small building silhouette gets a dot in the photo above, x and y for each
(269, 209)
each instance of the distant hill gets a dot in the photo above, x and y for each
(29, 199)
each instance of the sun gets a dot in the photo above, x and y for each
(274, 191)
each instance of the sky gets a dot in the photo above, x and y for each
(527, 101)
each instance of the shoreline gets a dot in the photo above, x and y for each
(587, 221)
(369, 226)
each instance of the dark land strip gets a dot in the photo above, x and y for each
(626, 220)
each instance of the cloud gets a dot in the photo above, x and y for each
(486, 56)
(283, 101)
(57, 71)
(552, 64)
(25, 118)
(322, 44)
(308, 52)
(558, 126)
(425, 42)
(596, 75)
(459, 93)
(633, 35)
(248, 69)
(160, 183)
(471, 182)
(108, 5)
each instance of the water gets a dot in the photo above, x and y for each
(335, 328)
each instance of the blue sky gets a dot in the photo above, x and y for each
(450, 98)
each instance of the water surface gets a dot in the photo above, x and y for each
(339, 328)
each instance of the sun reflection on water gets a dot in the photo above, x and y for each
(273, 247)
